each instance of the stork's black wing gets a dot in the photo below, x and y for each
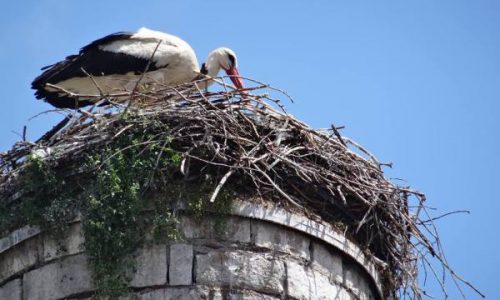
(94, 61)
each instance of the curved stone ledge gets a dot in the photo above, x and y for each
(17, 236)
(263, 252)
(320, 230)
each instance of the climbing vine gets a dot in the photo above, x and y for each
(114, 205)
(129, 188)
(46, 202)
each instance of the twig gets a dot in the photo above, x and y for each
(444, 215)
(140, 78)
(337, 134)
(49, 134)
(220, 185)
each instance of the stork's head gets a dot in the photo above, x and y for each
(223, 58)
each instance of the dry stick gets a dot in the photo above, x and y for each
(71, 94)
(122, 131)
(55, 129)
(75, 95)
(283, 193)
(445, 264)
(140, 78)
(219, 186)
(423, 222)
(443, 287)
(185, 164)
(58, 110)
(337, 134)
(101, 92)
(269, 87)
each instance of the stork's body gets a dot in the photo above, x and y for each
(117, 62)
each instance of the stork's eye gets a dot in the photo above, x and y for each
(232, 59)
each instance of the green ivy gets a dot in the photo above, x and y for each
(113, 208)
(46, 201)
(111, 211)
(118, 200)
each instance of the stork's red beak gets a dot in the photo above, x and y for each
(235, 77)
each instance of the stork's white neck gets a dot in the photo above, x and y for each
(219, 59)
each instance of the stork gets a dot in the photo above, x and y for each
(117, 62)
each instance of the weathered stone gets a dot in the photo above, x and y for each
(224, 273)
(72, 243)
(280, 238)
(327, 261)
(239, 295)
(234, 229)
(17, 236)
(57, 280)
(202, 292)
(11, 290)
(319, 229)
(174, 293)
(151, 267)
(240, 269)
(130, 296)
(365, 291)
(193, 228)
(19, 258)
(356, 280)
(250, 296)
(181, 264)
(305, 283)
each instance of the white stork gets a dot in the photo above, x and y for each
(116, 63)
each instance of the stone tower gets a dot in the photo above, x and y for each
(263, 252)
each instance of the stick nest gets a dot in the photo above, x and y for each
(247, 137)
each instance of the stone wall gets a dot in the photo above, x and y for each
(263, 252)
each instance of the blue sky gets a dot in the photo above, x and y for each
(415, 82)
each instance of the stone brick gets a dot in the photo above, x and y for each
(19, 258)
(280, 238)
(240, 269)
(151, 264)
(181, 264)
(328, 261)
(71, 244)
(174, 293)
(365, 291)
(11, 290)
(131, 296)
(57, 280)
(17, 236)
(192, 228)
(234, 229)
(305, 283)
(321, 230)
(239, 295)
(356, 280)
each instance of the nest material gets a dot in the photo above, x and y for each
(248, 136)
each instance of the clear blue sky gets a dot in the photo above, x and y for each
(416, 82)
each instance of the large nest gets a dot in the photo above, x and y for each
(248, 137)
